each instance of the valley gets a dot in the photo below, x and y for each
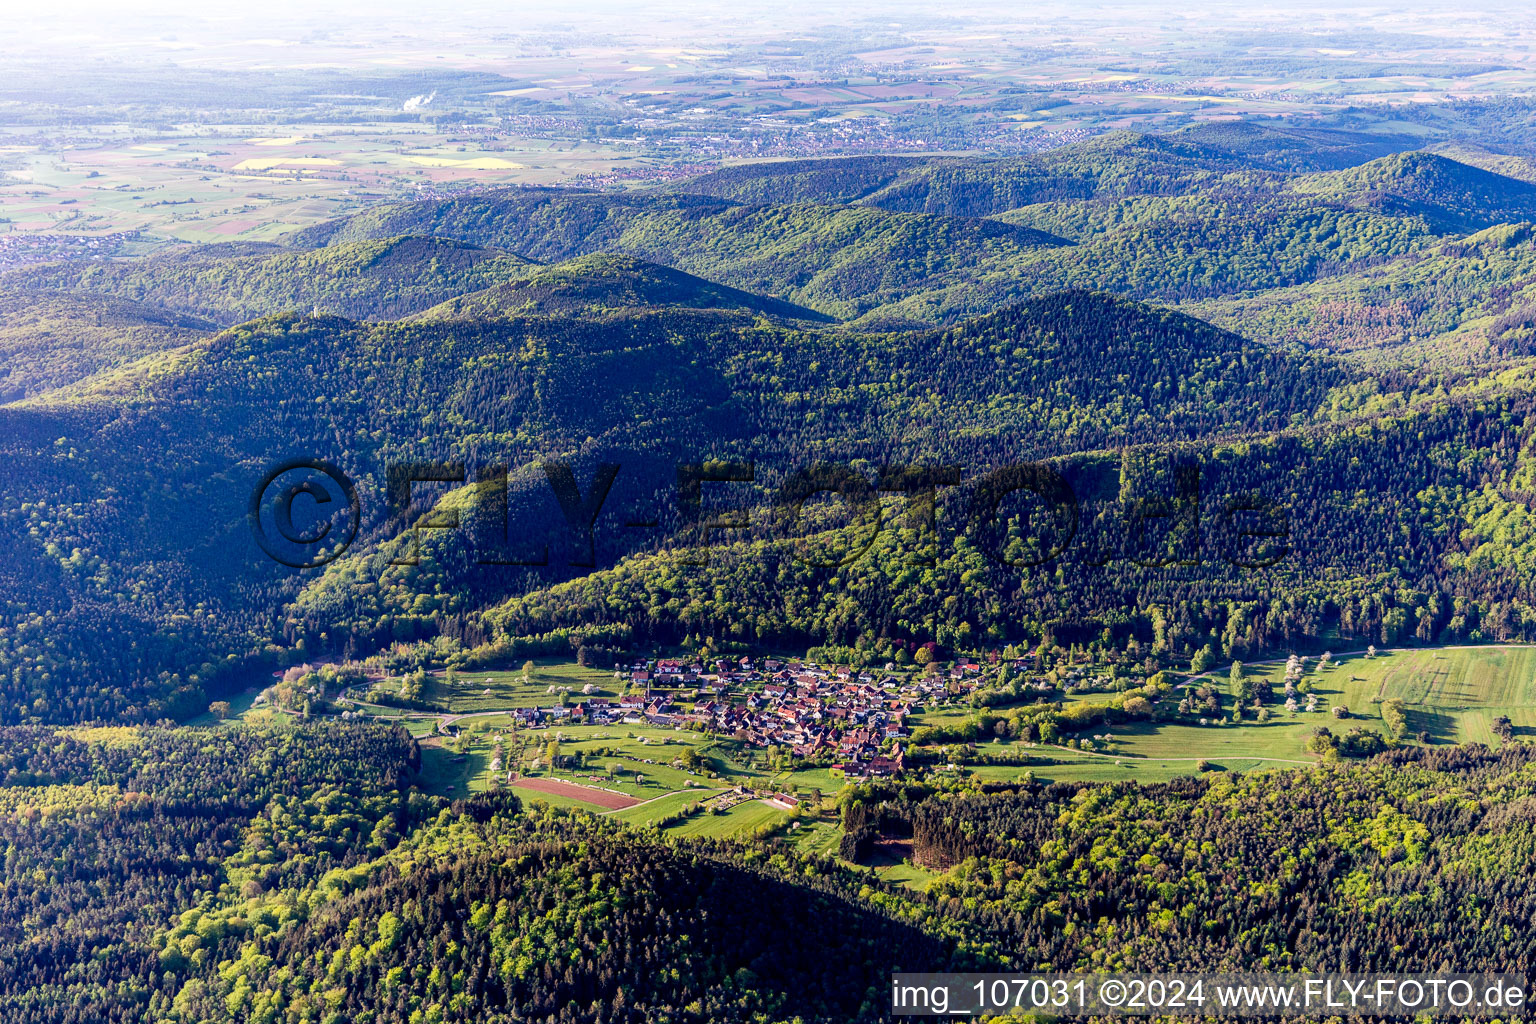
(634, 762)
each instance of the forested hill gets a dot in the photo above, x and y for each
(840, 260)
(827, 180)
(602, 283)
(653, 327)
(596, 929)
(1283, 146)
(132, 520)
(1113, 165)
(381, 279)
(1451, 196)
(49, 339)
(1235, 873)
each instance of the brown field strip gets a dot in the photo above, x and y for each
(587, 794)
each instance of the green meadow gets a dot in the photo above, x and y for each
(492, 690)
(654, 810)
(743, 819)
(1450, 695)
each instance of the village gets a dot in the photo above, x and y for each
(859, 718)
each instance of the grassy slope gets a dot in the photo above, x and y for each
(654, 810)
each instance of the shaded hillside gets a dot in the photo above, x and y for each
(1465, 302)
(380, 279)
(1408, 526)
(594, 928)
(49, 339)
(1278, 145)
(1522, 168)
(606, 283)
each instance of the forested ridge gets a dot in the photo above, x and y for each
(592, 285)
(51, 339)
(379, 279)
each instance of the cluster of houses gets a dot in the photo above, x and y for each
(20, 249)
(857, 717)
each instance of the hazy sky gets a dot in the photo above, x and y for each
(279, 31)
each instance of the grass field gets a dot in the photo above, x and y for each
(445, 774)
(620, 774)
(948, 715)
(420, 728)
(742, 819)
(908, 874)
(1454, 694)
(240, 705)
(655, 810)
(808, 780)
(1282, 738)
(1070, 768)
(818, 837)
(623, 767)
(493, 690)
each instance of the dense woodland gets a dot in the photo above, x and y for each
(115, 834)
(1406, 863)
